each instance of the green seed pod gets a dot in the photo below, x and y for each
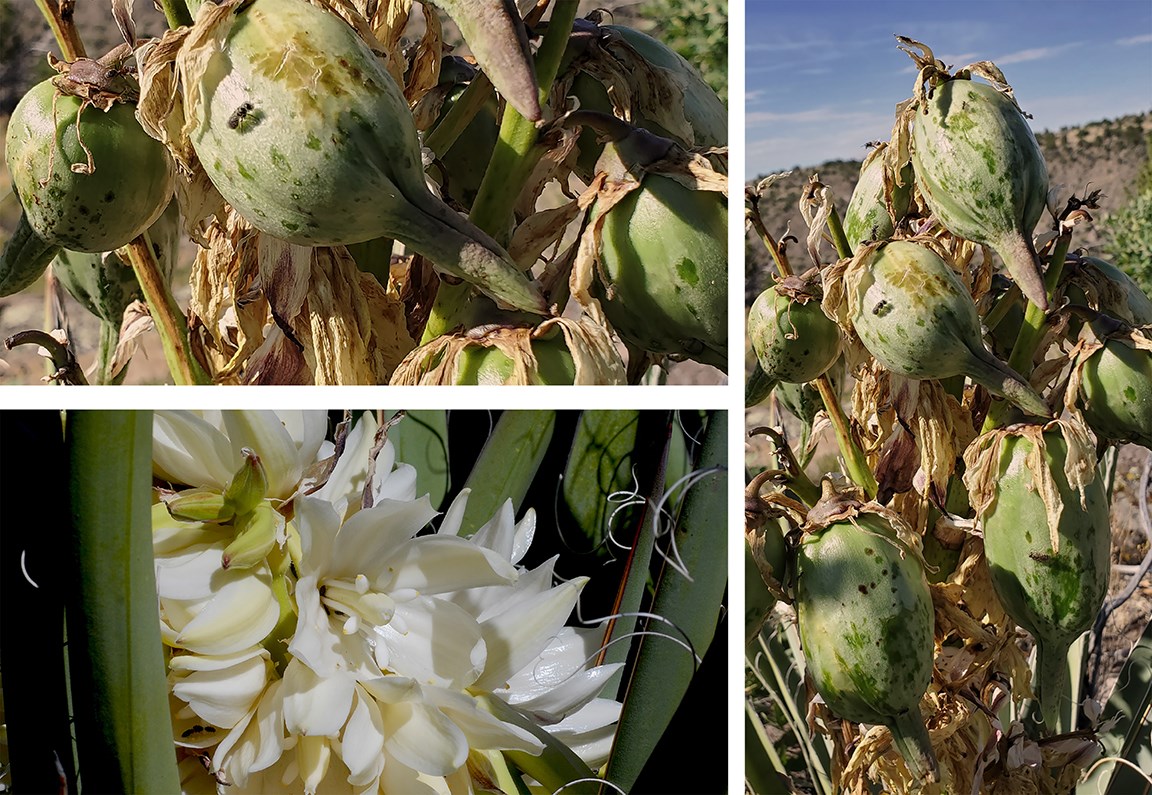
(915, 316)
(1046, 541)
(1102, 286)
(1115, 388)
(560, 351)
(704, 117)
(88, 180)
(794, 341)
(867, 626)
(104, 284)
(664, 253)
(302, 130)
(867, 216)
(980, 170)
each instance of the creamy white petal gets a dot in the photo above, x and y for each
(257, 742)
(369, 539)
(485, 603)
(270, 435)
(190, 450)
(499, 532)
(557, 683)
(223, 695)
(591, 731)
(362, 743)
(240, 614)
(434, 642)
(437, 564)
(315, 705)
(318, 523)
(516, 636)
(193, 573)
(423, 738)
(483, 730)
(525, 533)
(454, 516)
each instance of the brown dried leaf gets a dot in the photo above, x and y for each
(424, 71)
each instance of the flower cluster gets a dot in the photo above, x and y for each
(319, 641)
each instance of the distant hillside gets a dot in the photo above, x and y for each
(1105, 155)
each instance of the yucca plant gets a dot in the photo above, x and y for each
(964, 528)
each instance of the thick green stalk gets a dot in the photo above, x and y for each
(1031, 331)
(166, 314)
(911, 740)
(512, 162)
(120, 694)
(854, 459)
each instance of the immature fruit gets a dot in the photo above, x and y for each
(867, 216)
(1101, 285)
(303, 131)
(130, 183)
(867, 626)
(1050, 573)
(1116, 391)
(560, 351)
(916, 317)
(794, 341)
(664, 253)
(104, 284)
(980, 170)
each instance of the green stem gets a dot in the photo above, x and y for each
(169, 320)
(63, 28)
(176, 13)
(513, 159)
(1032, 330)
(1051, 686)
(854, 459)
(912, 741)
(375, 257)
(839, 239)
(109, 336)
(463, 110)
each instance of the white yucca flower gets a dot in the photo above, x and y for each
(361, 667)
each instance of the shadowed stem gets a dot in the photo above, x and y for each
(169, 320)
(1032, 330)
(58, 15)
(512, 162)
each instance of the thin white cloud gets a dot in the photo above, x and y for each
(1034, 54)
(1134, 40)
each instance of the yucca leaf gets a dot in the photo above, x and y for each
(120, 696)
(421, 439)
(600, 466)
(1131, 706)
(507, 464)
(689, 603)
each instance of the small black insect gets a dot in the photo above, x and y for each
(240, 114)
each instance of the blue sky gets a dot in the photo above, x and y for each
(823, 77)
